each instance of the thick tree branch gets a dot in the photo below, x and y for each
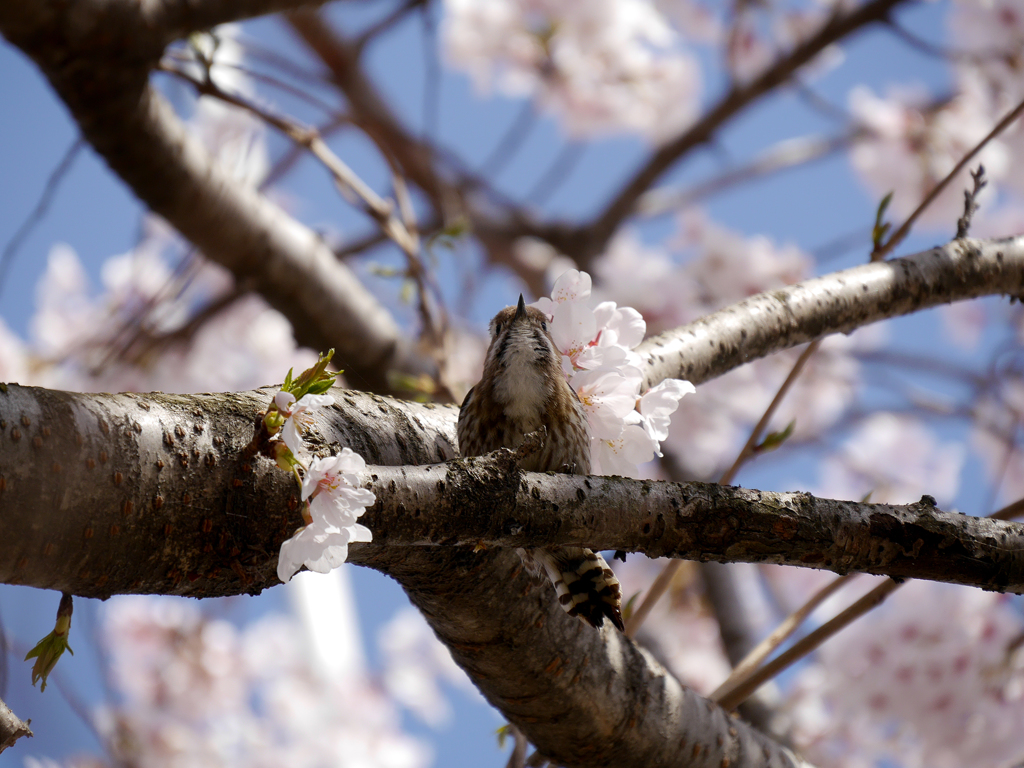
(836, 303)
(99, 64)
(486, 502)
(111, 485)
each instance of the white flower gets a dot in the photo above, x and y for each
(622, 454)
(620, 326)
(896, 458)
(657, 406)
(573, 327)
(571, 286)
(609, 397)
(299, 416)
(334, 484)
(319, 546)
(932, 676)
(599, 362)
(336, 503)
(604, 66)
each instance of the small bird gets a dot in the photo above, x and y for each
(522, 390)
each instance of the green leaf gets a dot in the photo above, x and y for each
(381, 271)
(881, 228)
(408, 291)
(48, 651)
(447, 238)
(775, 439)
(317, 376)
(503, 733)
(320, 387)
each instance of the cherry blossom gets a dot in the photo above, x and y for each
(602, 66)
(703, 268)
(932, 678)
(911, 145)
(609, 396)
(335, 503)
(202, 692)
(299, 416)
(659, 403)
(415, 663)
(896, 459)
(600, 364)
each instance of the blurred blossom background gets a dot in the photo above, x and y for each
(542, 110)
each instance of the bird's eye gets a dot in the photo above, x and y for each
(543, 325)
(497, 328)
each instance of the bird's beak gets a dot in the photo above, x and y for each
(520, 309)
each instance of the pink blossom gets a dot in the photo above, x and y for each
(299, 417)
(910, 146)
(601, 66)
(596, 344)
(896, 459)
(931, 677)
(620, 326)
(573, 327)
(621, 455)
(204, 693)
(608, 396)
(336, 502)
(657, 406)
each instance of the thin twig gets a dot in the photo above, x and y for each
(735, 696)
(1010, 511)
(735, 690)
(755, 434)
(356, 247)
(188, 57)
(386, 23)
(296, 151)
(348, 183)
(591, 237)
(658, 588)
(519, 743)
(58, 174)
(963, 224)
(949, 54)
(884, 250)
(779, 635)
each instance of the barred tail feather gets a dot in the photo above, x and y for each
(585, 585)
